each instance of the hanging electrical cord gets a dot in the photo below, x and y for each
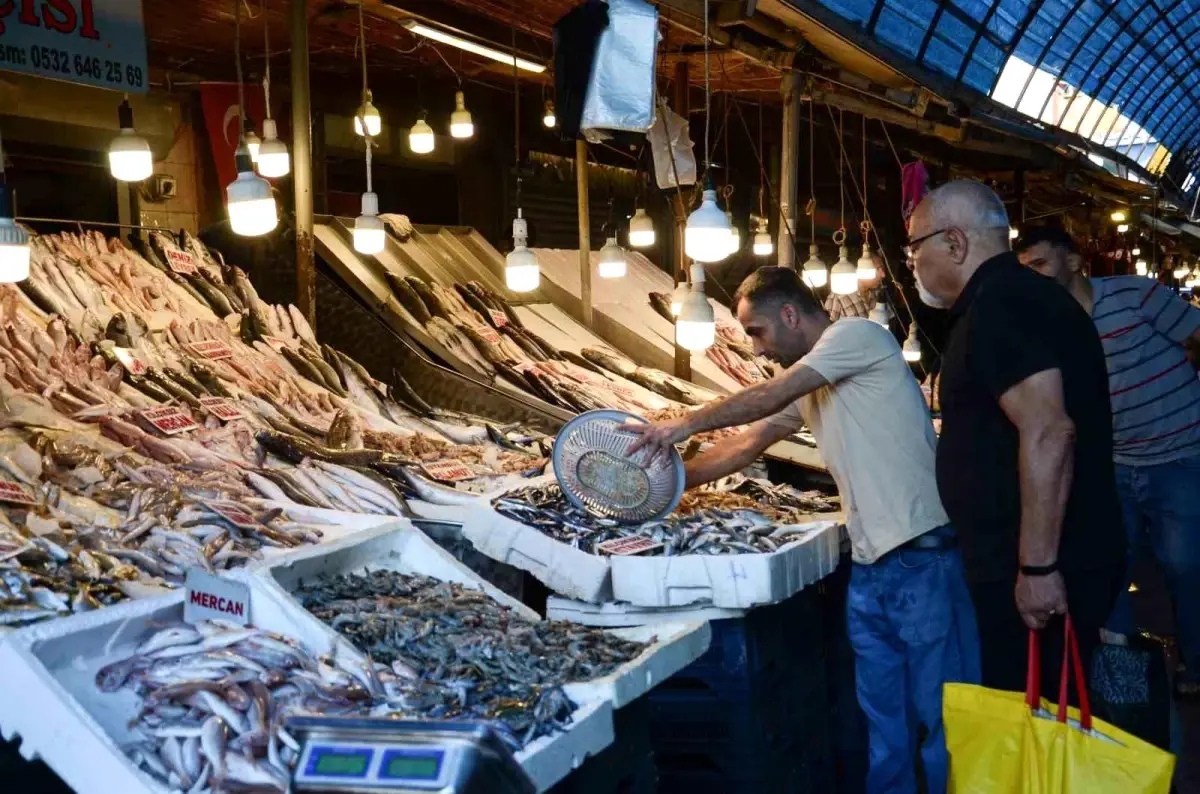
(369, 235)
(273, 158)
(367, 122)
(866, 270)
(248, 199)
(522, 273)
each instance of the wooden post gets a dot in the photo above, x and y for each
(302, 165)
(585, 231)
(790, 88)
(683, 358)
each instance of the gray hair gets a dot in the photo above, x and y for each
(968, 205)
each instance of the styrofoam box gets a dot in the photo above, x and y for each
(402, 548)
(52, 703)
(615, 614)
(562, 568)
(735, 581)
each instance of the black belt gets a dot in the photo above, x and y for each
(931, 541)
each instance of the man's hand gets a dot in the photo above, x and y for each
(1040, 597)
(658, 437)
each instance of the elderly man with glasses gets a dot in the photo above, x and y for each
(1024, 462)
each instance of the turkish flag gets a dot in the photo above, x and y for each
(222, 118)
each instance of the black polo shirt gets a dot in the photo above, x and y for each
(1010, 323)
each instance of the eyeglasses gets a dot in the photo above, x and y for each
(914, 245)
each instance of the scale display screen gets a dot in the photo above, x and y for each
(336, 762)
(411, 765)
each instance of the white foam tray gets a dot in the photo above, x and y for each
(616, 614)
(52, 703)
(562, 568)
(402, 548)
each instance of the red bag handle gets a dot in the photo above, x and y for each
(1072, 662)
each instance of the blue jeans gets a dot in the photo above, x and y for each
(912, 626)
(1161, 506)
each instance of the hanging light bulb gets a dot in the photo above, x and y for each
(420, 137)
(249, 200)
(1122, 228)
(368, 114)
(368, 228)
(273, 158)
(1013, 233)
(881, 313)
(866, 270)
(678, 296)
(816, 272)
(250, 139)
(14, 240)
(735, 237)
(548, 117)
(764, 245)
(1135, 252)
(706, 236)
(461, 125)
(641, 229)
(129, 157)
(521, 271)
(696, 325)
(843, 278)
(612, 260)
(1118, 216)
(1181, 271)
(1141, 267)
(912, 345)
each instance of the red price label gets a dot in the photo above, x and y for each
(489, 334)
(235, 514)
(212, 349)
(181, 262)
(169, 420)
(626, 546)
(448, 470)
(222, 408)
(16, 493)
(133, 365)
(499, 319)
(621, 389)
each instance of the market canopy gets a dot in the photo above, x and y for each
(1118, 73)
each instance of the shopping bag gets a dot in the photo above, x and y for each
(1129, 688)
(1012, 743)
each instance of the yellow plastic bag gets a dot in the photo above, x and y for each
(999, 744)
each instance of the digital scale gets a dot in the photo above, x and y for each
(346, 755)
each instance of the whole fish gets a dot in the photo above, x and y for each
(661, 303)
(327, 373)
(427, 298)
(608, 360)
(408, 297)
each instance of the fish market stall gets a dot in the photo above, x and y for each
(756, 543)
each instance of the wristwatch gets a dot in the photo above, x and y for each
(1039, 570)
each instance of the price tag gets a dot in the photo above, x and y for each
(208, 597)
(16, 493)
(169, 420)
(448, 470)
(235, 514)
(275, 342)
(222, 408)
(181, 262)
(212, 349)
(489, 334)
(626, 546)
(499, 319)
(132, 364)
(621, 389)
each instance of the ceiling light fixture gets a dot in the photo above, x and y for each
(1118, 216)
(815, 271)
(248, 199)
(273, 158)
(912, 346)
(612, 260)
(865, 270)
(641, 229)
(764, 245)
(454, 40)
(843, 278)
(706, 236)
(129, 157)
(14, 240)
(548, 117)
(461, 125)
(1122, 228)
(696, 325)
(522, 273)
(420, 137)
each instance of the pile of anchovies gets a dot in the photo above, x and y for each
(456, 653)
(711, 522)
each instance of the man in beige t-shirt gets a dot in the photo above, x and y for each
(909, 614)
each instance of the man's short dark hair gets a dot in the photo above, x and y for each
(777, 285)
(1056, 237)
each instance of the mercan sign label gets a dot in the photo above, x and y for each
(95, 42)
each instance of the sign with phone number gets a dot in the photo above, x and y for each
(96, 42)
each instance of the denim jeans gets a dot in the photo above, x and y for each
(1161, 506)
(912, 627)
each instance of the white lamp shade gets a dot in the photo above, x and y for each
(420, 138)
(880, 314)
(912, 346)
(368, 231)
(1122, 228)
(816, 274)
(706, 237)
(735, 237)
(1013, 232)
(253, 144)
(843, 279)
(1141, 267)
(696, 326)
(612, 260)
(521, 271)
(1181, 272)
(641, 229)
(461, 125)
(14, 252)
(1118, 216)
(548, 117)
(129, 157)
(866, 270)
(273, 158)
(251, 205)
(678, 296)
(763, 244)
(1135, 251)
(369, 114)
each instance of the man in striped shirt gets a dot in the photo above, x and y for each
(1145, 329)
